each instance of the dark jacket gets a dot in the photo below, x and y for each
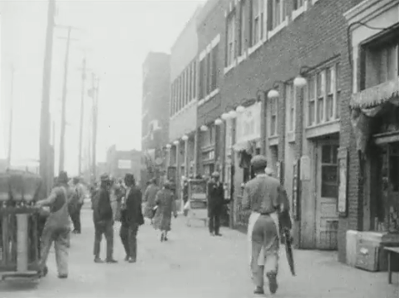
(134, 214)
(102, 206)
(215, 195)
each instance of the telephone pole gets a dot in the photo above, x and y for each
(95, 93)
(64, 95)
(82, 114)
(45, 107)
(11, 117)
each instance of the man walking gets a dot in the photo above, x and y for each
(131, 218)
(267, 200)
(103, 220)
(76, 204)
(57, 227)
(215, 204)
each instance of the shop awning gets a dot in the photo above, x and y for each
(374, 96)
(368, 104)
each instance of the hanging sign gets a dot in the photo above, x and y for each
(248, 124)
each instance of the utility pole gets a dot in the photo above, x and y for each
(64, 95)
(95, 122)
(11, 117)
(45, 107)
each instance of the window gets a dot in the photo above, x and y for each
(208, 74)
(324, 95)
(190, 83)
(243, 19)
(231, 39)
(338, 87)
(181, 87)
(273, 117)
(297, 4)
(290, 100)
(202, 79)
(277, 13)
(257, 21)
(172, 98)
(195, 79)
(329, 171)
(214, 67)
(187, 85)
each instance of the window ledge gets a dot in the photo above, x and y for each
(278, 28)
(290, 136)
(242, 58)
(323, 129)
(255, 47)
(230, 67)
(208, 97)
(296, 13)
(273, 140)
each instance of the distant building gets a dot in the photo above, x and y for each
(119, 163)
(155, 114)
(3, 165)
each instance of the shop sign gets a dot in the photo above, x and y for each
(248, 124)
(305, 168)
(124, 164)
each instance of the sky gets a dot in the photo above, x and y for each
(114, 36)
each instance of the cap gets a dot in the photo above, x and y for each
(63, 177)
(259, 161)
(104, 177)
(215, 174)
(129, 176)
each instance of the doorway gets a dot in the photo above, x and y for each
(326, 190)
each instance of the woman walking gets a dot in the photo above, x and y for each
(165, 200)
(149, 199)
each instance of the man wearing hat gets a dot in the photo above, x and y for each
(215, 203)
(267, 199)
(103, 220)
(131, 218)
(57, 227)
(75, 205)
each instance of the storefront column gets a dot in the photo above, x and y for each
(178, 167)
(186, 163)
(196, 151)
(263, 124)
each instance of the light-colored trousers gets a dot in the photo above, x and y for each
(264, 241)
(61, 238)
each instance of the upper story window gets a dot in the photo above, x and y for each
(324, 96)
(209, 69)
(277, 13)
(231, 38)
(291, 105)
(273, 108)
(202, 78)
(382, 62)
(194, 89)
(257, 21)
(297, 4)
(243, 42)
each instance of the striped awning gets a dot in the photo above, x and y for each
(377, 95)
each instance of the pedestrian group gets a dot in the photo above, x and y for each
(116, 200)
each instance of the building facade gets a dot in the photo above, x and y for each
(155, 116)
(283, 90)
(374, 61)
(210, 77)
(119, 163)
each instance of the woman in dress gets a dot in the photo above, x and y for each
(149, 199)
(166, 205)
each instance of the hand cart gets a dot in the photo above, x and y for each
(19, 235)
(197, 201)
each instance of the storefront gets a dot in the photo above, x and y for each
(375, 115)
(247, 144)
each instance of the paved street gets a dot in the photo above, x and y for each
(192, 264)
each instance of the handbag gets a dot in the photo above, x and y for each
(154, 211)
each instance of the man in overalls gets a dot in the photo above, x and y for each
(57, 226)
(267, 199)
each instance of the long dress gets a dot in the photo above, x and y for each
(166, 206)
(149, 199)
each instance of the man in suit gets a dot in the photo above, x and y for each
(215, 204)
(103, 220)
(268, 202)
(131, 218)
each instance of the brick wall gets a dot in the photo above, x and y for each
(316, 36)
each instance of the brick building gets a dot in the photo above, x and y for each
(374, 57)
(120, 162)
(210, 28)
(155, 116)
(283, 90)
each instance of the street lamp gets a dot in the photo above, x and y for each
(300, 81)
(225, 116)
(184, 138)
(168, 146)
(273, 93)
(240, 109)
(204, 128)
(232, 114)
(176, 142)
(218, 122)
